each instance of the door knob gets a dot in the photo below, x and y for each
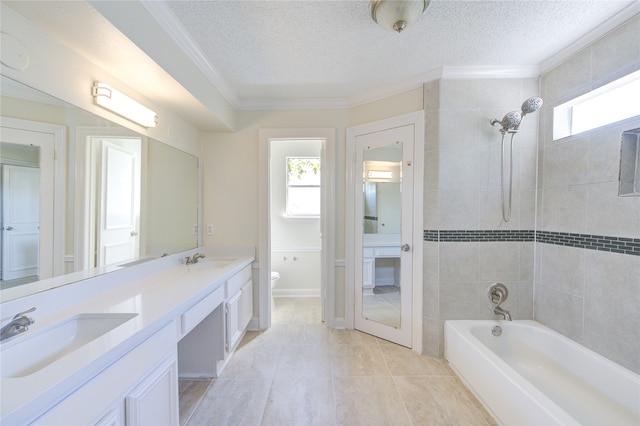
(9, 228)
(405, 247)
(134, 233)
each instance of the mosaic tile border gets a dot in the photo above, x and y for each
(482, 235)
(586, 241)
(591, 242)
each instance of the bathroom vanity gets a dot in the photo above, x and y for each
(380, 261)
(109, 350)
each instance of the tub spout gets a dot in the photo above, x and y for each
(498, 310)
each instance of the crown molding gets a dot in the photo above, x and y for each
(292, 104)
(489, 71)
(170, 24)
(598, 32)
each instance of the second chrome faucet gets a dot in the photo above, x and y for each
(190, 260)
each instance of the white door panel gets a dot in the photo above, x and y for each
(27, 206)
(119, 202)
(383, 272)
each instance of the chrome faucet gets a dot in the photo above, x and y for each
(498, 310)
(19, 324)
(498, 293)
(194, 259)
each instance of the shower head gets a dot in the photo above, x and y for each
(532, 104)
(511, 120)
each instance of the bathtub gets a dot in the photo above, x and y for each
(532, 375)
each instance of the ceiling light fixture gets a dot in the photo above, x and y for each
(397, 15)
(116, 101)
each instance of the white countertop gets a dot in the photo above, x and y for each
(158, 291)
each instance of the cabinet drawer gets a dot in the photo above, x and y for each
(236, 282)
(193, 316)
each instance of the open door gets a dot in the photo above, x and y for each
(384, 234)
(117, 200)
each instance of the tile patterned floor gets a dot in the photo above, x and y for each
(301, 373)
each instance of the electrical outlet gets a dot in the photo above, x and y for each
(209, 229)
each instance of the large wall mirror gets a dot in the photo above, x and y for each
(83, 196)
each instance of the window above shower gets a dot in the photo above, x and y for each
(303, 187)
(608, 104)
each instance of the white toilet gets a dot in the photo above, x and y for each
(274, 279)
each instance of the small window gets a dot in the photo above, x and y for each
(303, 187)
(608, 104)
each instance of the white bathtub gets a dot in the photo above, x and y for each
(532, 375)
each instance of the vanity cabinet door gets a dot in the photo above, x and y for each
(232, 320)
(155, 400)
(246, 304)
(115, 417)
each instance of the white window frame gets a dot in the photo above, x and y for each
(611, 103)
(288, 212)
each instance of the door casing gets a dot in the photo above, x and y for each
(327, 221)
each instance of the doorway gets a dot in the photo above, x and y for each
(325, 138)
(115, 169)
(109, 200)
(383, 290)
(32, 201)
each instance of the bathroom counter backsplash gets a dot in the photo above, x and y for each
(156, 291)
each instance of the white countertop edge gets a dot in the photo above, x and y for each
(166, 283)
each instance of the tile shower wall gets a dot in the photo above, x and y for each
(467, 244)
(582, 291)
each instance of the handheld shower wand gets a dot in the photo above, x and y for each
(510, 124)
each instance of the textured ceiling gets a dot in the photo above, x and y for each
(257, 52)
(285, 49)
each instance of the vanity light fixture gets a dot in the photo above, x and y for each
(397, 15)
(116, 101)
(379, 174)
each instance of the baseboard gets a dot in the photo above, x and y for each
(295, 292)
(339, 323)
(254, 324)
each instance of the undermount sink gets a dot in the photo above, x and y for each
(25, 354)
(212, 263)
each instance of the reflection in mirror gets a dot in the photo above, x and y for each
(149, 210)
(19, 213)
(382, 203)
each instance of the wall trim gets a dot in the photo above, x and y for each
(297, 250)
(163, 15)
(296, 292)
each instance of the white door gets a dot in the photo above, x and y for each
(21, 221)
(27, 206)
(118, 203)
(383, 248)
